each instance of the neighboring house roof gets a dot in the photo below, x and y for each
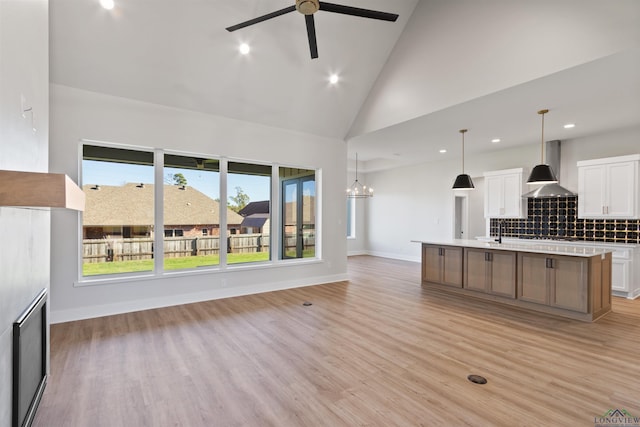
(261, 207)
(132, 204)
(255, 220)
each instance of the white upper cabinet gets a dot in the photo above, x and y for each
(503, 194)
(608, 188)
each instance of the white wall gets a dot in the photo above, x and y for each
(418, 199)
(617, 143)
(358, 245)
(78, 114)
(24, 248)
(481, 47)
(477, 223)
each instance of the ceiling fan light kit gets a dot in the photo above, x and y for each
(308, 8)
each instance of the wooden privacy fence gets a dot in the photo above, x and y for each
(290, 242)
(247, 243)
(108, 250)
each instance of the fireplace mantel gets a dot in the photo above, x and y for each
(37, 189)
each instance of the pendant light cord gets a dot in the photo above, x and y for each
(462, 131)
(542, 112)
(356, 167)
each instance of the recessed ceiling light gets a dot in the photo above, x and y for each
(569, 125)
(443, 151)
(107, 4)
(244, 49)
(333, 79)
(495, 140)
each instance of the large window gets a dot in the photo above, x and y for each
(351, 218)
(249, 201)
(153, 211)
(298, 213)
(191, 212)
(118, 221)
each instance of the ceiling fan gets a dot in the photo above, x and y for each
(308, 8)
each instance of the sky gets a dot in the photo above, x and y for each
(207, 182)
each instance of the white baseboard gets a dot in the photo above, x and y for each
(395, 256)
(356, 253)
(101, 310)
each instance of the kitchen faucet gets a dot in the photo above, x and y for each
(500, 224)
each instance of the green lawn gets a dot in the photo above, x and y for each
(92, 269)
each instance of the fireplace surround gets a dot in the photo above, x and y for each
(29, 360)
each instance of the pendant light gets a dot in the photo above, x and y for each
(463, 181)
(542, 173)
(358, 190)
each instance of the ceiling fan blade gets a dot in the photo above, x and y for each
(261, 18)
(356, 11)
(311, 34)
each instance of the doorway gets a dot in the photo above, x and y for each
(461, 216)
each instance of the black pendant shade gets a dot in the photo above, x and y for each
(542, 174)
(463, 182)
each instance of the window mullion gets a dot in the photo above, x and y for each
(276, 214)
(224, 167)
(158, 205)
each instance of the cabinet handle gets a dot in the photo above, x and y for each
(549, 262)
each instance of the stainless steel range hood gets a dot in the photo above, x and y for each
(548, 191)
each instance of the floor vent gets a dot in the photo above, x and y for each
(477, 379)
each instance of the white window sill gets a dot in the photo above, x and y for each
(144, 276)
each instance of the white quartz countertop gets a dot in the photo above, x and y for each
(560, 242)
(541, 248)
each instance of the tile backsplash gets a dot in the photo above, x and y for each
(557, 218)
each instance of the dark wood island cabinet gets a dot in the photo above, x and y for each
(568, 281)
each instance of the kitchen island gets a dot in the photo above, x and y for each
(565, 280)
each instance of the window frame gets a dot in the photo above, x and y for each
(351, 218)
(158, 271)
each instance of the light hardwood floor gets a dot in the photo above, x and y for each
(378, 350)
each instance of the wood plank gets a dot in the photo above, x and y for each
(475, 270)
(452, 270)
(39, 189)
(379, 349)
(503, 273)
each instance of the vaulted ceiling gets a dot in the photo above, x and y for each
(405, 88)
